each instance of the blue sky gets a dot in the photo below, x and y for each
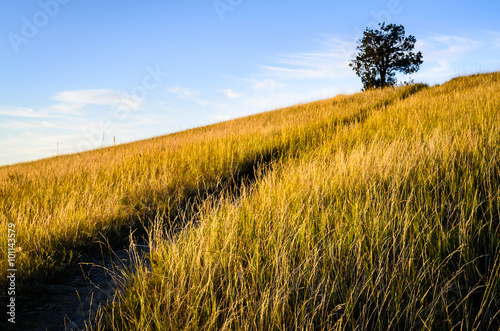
(77, 75)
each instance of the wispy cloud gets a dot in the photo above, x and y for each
(266, 85)
(230, 93)
(324, 72)
(208, 103)
(262, 85)
(66, 108)
(183, 92)
(192, 95)
(54, 111)
(118, 99)
(446, 56)
(290, 78)
(330, 61)
(439, 46)
(62, 127)
(12, 111)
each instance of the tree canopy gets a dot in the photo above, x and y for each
(382, 53)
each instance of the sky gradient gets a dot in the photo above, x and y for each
(79, 75)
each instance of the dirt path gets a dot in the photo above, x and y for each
(70, 302)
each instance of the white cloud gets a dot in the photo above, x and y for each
(230, 93)
(30, 145)
(324, 72)
(266, 85)
(325, 93)
(208, 103)
(121, 100)
(331, 62)
(182, 92)
(446, 56)
(446, 47)
(192, 95)
(66, 108)
(263, 102)
(12, 111)
(221, 117)
(299, 77)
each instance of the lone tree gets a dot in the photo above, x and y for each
(383, 52)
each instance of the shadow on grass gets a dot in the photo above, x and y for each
(65, 269)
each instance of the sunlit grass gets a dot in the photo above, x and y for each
(389, 224)
(372, 211)
(61, 204)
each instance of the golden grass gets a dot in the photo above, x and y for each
(62, 203)
(391, 223)
(376, 210)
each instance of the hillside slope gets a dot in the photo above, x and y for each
(375, 210)
(388, 220)
(61, 204)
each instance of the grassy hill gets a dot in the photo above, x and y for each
(369, 211)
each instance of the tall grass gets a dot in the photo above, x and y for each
(387, 223)
(61, 205)
(378, 210)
